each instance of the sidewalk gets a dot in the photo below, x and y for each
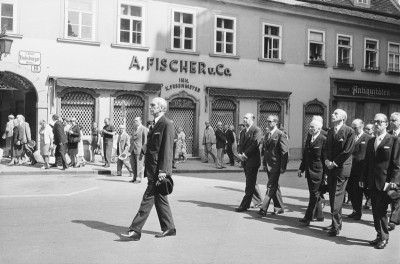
(192, 165)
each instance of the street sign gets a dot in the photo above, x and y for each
(29, 58)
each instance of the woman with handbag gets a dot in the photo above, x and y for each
(46, 142)
(18, 136)
(74, 136)
(95, 143)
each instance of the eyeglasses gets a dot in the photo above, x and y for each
(270, 121)
(379, 122)
(393, 120)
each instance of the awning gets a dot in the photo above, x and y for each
(108, 85)
(246, 93)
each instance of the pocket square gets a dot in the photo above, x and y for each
(386, 147)
(156, 133)
(362, 142)
(341, 139)
(316, 148)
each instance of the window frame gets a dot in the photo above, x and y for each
(389, 68)
(263, 36)
(376, 68)
(224, 42)
(309, 41)
(143, 20)
(194, 27)
(343, 65)
(14, 17)
(94, 22)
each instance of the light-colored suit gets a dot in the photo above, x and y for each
(27, 132)
(123, 146)
(138, 142)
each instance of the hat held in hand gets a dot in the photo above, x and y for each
(165, 186)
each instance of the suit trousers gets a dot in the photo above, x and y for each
(337, 190)
(395, 212)
(137, 166)
(355, 194)
(274, 190)
(107, 148)
(60, 155)
(123, 162)
(229, 151)
(252, 192)
(208, 151)
(379, 212)
(152, 197)
(220, 157)
(314, 208)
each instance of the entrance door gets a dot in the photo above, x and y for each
(182, 111)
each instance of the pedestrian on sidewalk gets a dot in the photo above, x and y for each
(18, 137)
(221, 143)
(208, 141)
(74, 136)
(123, 146)
(95, 146)
(60, 141)
(107, 133)
(8, 136)
(230, 140)
(181, 145)
(46, 142)
(80, 156)
(137, 150)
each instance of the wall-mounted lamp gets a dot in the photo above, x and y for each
(5, 43)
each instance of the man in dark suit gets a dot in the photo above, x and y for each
(276, 153)
(338, 150)
(313, 166)
(158, 165)
(230, 140)
(381, 173)
(60, 141)
(353, 188)
(249, 154)
(395, 205)
(221, 142)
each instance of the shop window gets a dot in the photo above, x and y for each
(394, 57)
(267, 108)
(131, 24)
(313, 108)
(8, 16)
(344, 51)
(129, 105)
(316, 47)
(222, 110)
(183, 30)
(225, 35)
(80, 105)
(371, 55)
(80, 19)
(272, 42)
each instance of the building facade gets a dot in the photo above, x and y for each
(211, 60)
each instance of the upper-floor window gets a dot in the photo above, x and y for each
(131, 24)
(225, 35)
(344, 51)
(371, 54)
(316, 46)
(7, 13)
(272, 42)
(80, 19)
(183, 30)
(394, 57)
(362, 1)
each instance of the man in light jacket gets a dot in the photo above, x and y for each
(138, 142)
(208, 141)
(123, 146)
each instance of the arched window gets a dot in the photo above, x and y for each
(266, 109)
(134, 106)
(223, 110)
(313, 108)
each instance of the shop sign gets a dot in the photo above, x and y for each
(183, 83)
(29, 58)
(181, 66)
(368, 90)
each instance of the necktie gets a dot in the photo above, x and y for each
(377, 142)
(312, 139)
(395, 133)
(335, 129)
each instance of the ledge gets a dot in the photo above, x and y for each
(272, 60)
(227, 56)
(392, 73)
(132, 47)
(78, 41)
(15, 36)
(315, 65)
(194, 53)
(371, 71)
(344, 68)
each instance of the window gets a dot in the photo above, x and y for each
(394, 57)
(80, 19)
(316, 47)
(344, 51)
(225, 35)
(183, 31)
(131, 24)
(371, 53)
(7, 14)
(362, 1)
(271, 45)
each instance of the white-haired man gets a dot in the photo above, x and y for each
(221, 143)
(337, 153)
(395, 206)
(123, 146)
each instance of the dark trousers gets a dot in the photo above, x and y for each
(60, 155)
(229, 151)
(107, 148)
(314, 208)
(337, 190)
(355, 194)
(395, 212)
(379, 212)
(152, 197)
(251, 192)
(274, 190)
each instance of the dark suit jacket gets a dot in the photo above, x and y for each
(159, 148)
(230, 138)
(59, 134)
(339, 148)
(383, 165)
(359, 155)
(221, 138)
(313, 162)
(249, 146)
(275, 151)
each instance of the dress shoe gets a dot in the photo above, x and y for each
(366, 206)
(220, 167)
(107, 166)
(333, 232)
(240, 209)
(304, 221)
(318, 219)
(262, 212)
(352, 215)
(391, 226)
(135, 236)
(206, 161)
(232, 164)
(276, 212)
(173, 167)
(329, 227)
(357, 217)
(53, 166)
(381, 244)
(169, 232)
(137, 182)
(375, 241)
